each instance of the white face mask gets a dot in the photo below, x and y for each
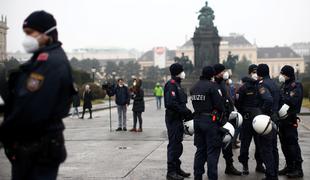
(182, 75)
(121, 85)
(281, 78)
(229, 81)
(254, 76)
(134, 83)
(31, 44)
(226, 75)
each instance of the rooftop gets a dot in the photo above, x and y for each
(276, 52)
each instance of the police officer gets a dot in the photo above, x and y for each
(176, 111)
(208, 108)
(291, 95)
(220, 76)
(269, 96)
(248, 105)
(40, 95)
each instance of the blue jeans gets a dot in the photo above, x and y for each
(158, 102)
(122, 116)
(75, 111)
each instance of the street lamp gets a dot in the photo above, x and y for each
(113, 75)
(297, 71)
(93, 70)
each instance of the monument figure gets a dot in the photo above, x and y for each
(206, 39)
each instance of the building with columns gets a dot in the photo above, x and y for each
(3, 32)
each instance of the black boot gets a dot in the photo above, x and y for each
(270, 178)
(174, 176)
(296, 172)
(245, 170)
(231, 170)
(260, 168)
(283, 171)
(198, 178)
(183, 173)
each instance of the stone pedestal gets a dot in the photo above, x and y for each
(206, 44)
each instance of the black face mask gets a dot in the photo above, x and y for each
(218, 79)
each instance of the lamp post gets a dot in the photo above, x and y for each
(93, 70)
(297, 71)
(113, 75)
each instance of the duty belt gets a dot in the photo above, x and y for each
(202, 114)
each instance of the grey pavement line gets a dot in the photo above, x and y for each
(144, 159)
(127, 140)
(306, 127)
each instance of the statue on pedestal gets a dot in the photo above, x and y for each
(206, 17)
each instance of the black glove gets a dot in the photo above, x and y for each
(274, 117)
(189, 117)
(223, 131)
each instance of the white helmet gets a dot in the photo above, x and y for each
(262, 124)
(283, 111)
(227, 138)
(189, 127)
(234, 115)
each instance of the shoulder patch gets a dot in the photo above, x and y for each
(34, 82)
(262, 90)
(42, 57)
(293, 84)
(172, 81)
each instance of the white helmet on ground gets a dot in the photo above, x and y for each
(189, 127)
(227, 138)
(283, 111)
(234, 115)
(262, 124)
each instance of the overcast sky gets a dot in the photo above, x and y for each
(143, 24)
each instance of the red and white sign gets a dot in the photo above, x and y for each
(160, 57)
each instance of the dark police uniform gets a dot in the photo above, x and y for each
(229, 107)
(176, 111)
(40, 95)
(269, 96)
(206, 101)
(248, 105)
(291, 94)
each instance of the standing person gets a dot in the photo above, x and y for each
(176, 111)
(158, 93)
(291, 95)
(122, 100)
(87, 98)
(247, 104)
(138, 106)
(40, 96)
(269, 96)
(76, 104)
(220, 76)
(232, 95)
(207, 102)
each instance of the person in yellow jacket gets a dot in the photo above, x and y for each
(158, 93)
